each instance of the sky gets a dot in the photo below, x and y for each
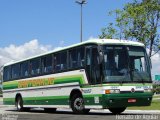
(31, 27)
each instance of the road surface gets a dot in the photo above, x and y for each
(10, 113)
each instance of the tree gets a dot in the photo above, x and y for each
(108, 32)
(138, 21)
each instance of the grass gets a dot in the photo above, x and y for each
(156, 96)
(155, 105)
(1, 99)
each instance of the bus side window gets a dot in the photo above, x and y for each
(15, 71)
(60, 61)
(57, 60)
(7, 73)
(46, 63)
(25, 69)
(63, 60)
(80, 57)
(35, 66)
(73, 59)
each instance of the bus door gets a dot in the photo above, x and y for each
(92, 65)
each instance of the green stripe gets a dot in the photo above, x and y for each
(46, 98)
(57, 80)
(130, 84)
(51, 100)
(92, 95)
(117, 84)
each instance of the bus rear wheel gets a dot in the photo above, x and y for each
(117, 110)
(77, 105)
(19, 104)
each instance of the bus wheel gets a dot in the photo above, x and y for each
(77, 105)
(19, 104)
(117, 110)
(50, 110)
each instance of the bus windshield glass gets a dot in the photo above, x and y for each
(126, 64)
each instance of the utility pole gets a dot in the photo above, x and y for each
(81, 4)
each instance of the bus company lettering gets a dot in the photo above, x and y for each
(35, 82)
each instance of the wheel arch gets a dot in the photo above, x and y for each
(75, 91)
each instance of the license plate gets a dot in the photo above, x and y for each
(131, 100)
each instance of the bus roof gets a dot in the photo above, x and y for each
(95, 41)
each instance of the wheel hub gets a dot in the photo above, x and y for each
(78, 103)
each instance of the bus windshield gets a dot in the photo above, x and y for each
(126, 64)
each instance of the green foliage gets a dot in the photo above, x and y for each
(108, 32)
(140, 21)
(156, 89)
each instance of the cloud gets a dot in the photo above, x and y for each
(91, 38)
(14, 52)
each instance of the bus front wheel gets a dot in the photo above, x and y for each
(117, 110)
(77, 105)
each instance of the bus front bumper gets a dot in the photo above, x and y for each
(126, 100)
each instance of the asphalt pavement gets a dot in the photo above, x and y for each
(10, 113)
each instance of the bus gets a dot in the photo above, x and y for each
(95, 74)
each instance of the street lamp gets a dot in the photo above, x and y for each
(81, 4)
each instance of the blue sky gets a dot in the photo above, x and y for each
(52, 21)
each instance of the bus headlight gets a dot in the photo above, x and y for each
(147, 90)
(110, 91)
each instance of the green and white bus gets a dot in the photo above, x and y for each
(95, 74)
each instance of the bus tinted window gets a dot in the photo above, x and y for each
(80, 52)
(7, 73)
(35, 66)
(57, 62)
(63, 60)
(73, 58)
(25, 69)
(15, 71)
(76, 58)
(60, 61)
(47, 64)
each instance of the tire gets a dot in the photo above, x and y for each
(50, 110)
(19, 104)
(77, 105)
(117, 110)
